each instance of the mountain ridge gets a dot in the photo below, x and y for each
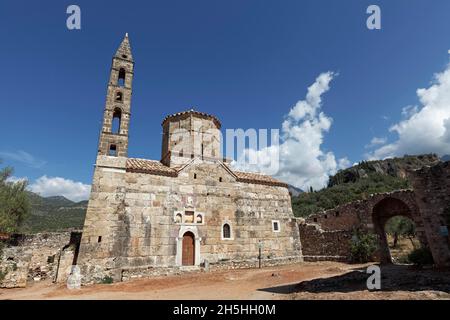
(55, 213)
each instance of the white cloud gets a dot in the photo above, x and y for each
(344, 163)
(425, 128)
(23, 157)
(302, 162)
(57, 186)
(376, 142)
(409, 111)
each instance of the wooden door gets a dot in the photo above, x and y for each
(188, 257)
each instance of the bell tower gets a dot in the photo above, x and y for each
(116, 117)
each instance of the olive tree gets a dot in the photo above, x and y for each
(14, 203)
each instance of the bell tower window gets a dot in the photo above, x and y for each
(121, 79)
(112, 150)
(119, 96)
(116, 121)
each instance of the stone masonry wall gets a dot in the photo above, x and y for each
(432, 189)
(327, 233)
(357, 213)
(32, 258)
(131, 220)
(318, 244)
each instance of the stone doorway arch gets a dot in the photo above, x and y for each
(384, 210)
(188, 234)
(188, 251)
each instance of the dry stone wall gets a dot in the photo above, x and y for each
(318, 244)
(30, 258)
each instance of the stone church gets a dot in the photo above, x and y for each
(187, 210)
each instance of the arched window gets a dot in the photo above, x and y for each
(199, 218)
(116, 121)
(178, 218)
(119, 96)
(121, 79)
(112, 150)
(226, 229)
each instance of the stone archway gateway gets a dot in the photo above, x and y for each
(384, 210)
(188, 251)
(328, 235)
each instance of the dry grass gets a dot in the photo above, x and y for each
(403, 248)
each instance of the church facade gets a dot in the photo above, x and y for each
(189, 209)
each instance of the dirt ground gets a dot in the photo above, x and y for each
(321, 280)
(404, 247)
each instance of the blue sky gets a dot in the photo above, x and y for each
(248, 62)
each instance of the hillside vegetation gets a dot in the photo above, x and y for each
(53, 214)
(359, 181)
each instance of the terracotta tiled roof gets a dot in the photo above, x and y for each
(157, 168)
(258, 179)
(150, 166)
(192, 111)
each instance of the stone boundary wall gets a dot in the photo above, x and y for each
(254, 263)
(327, 235)
(321, 245)
(357, 213)
(28, 258)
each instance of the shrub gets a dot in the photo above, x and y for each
(363, 246)
(107, 280)
(421, 257)
(403, 259)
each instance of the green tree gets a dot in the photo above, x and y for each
(401, 227)
(14, 203)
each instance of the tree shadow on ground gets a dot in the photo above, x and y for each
(393, 278)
